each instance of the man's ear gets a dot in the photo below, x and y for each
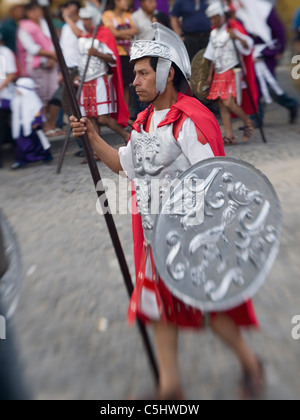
(171, 75)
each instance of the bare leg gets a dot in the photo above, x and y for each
(53, 112)
(230, 333)
(113, 125)
(233, 107)
(226, 119)
(166, 340)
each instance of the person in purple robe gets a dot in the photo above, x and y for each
(162, 6)
(31, 143)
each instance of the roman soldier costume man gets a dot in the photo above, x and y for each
(102, 97)
(230, 48)
(172, 134)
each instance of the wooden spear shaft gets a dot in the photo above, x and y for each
(98, 182)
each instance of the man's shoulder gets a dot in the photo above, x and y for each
(177, 7)
(193, 108)
(6, 52)
(8, 24)
(109, 14)
(137, 13)
(136, 16)
(190, 101)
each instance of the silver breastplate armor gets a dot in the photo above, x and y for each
(225, 54)
(97, 67)
(158, 160)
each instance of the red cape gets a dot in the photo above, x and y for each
(249, 74)
(105, 35)
(205, 121)
(198, 113)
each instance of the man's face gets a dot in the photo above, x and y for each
(35, 13)
(88, 24)
(145, 80)
(17, 12)
(216, 21)
(123, 5)
(149, 6)
(72, 11)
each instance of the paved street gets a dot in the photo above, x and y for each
(74, 342)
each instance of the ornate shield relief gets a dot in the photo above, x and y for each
(218, 264)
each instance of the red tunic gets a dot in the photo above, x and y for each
(173, 310)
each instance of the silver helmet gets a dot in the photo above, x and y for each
(169, 48)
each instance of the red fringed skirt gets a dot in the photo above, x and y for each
(223, 85)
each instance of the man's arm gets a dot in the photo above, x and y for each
(119, 33)
(108, 155)
(123, 33)
(176, 25)
(77, 32)
(32, 48)
(108, 58)
(210, 74)
(9, 79)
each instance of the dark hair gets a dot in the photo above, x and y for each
(162, 18)
(74, 3)
(153, 63)
(178, 77)
(32, 5)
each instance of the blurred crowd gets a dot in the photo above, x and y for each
(33, 100)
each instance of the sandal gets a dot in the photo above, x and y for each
(253, 387)
(248, 131)
(229, 141)
(55, 133)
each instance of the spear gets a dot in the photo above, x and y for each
(68, 135)
(98, 182)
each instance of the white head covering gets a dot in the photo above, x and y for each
(86, 13)
(169, 48)
(254, 14)
(215, 9)
(96, 11)
(25, 107)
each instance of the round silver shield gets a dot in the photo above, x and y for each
(218, 234)
(11, 268)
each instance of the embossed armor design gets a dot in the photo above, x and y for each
(157, 157)
(225, 54)
(97, 67)
(218, 265)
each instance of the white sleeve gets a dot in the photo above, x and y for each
(240, 47)
(10, 62)
(126, 160)
(64, 35)
(28, 43)
(209, 53)
(105, 50)
(191, 146)
(135, 20)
